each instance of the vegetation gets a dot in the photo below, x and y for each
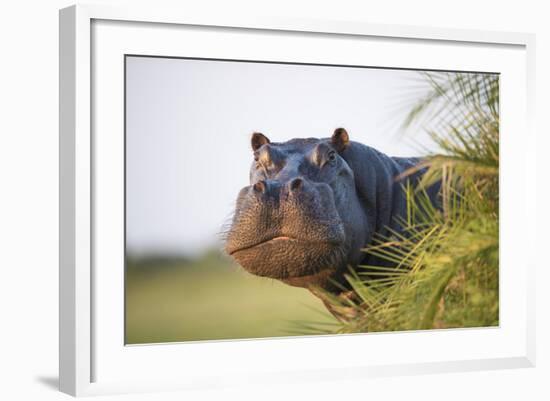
(446, 260)
(208, 297)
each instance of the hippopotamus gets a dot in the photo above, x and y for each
(313, 205)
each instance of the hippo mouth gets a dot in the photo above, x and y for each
(289, 258)
(280, 238)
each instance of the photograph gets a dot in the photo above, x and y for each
(268, 199)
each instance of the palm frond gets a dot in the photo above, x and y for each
(444, 261)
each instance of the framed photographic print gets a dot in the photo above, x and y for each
(280, 200)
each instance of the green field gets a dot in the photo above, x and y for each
(210, 298)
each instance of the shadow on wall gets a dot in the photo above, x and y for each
(52, 382)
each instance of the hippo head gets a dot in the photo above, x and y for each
(300, 219)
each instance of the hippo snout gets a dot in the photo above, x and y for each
(286, 228)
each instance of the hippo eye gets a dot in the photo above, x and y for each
(257, 162)
(327, 158)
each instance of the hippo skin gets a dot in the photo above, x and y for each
(312, 206)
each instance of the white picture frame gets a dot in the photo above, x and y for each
(83, 344)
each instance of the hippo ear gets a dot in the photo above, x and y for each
(258, 139)
(340, 139)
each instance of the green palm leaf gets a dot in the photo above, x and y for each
(445, 262)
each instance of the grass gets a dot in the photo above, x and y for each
(210, 298)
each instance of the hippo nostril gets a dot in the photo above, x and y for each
(296, 184)
(260, 187)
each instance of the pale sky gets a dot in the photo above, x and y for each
(188, 134)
